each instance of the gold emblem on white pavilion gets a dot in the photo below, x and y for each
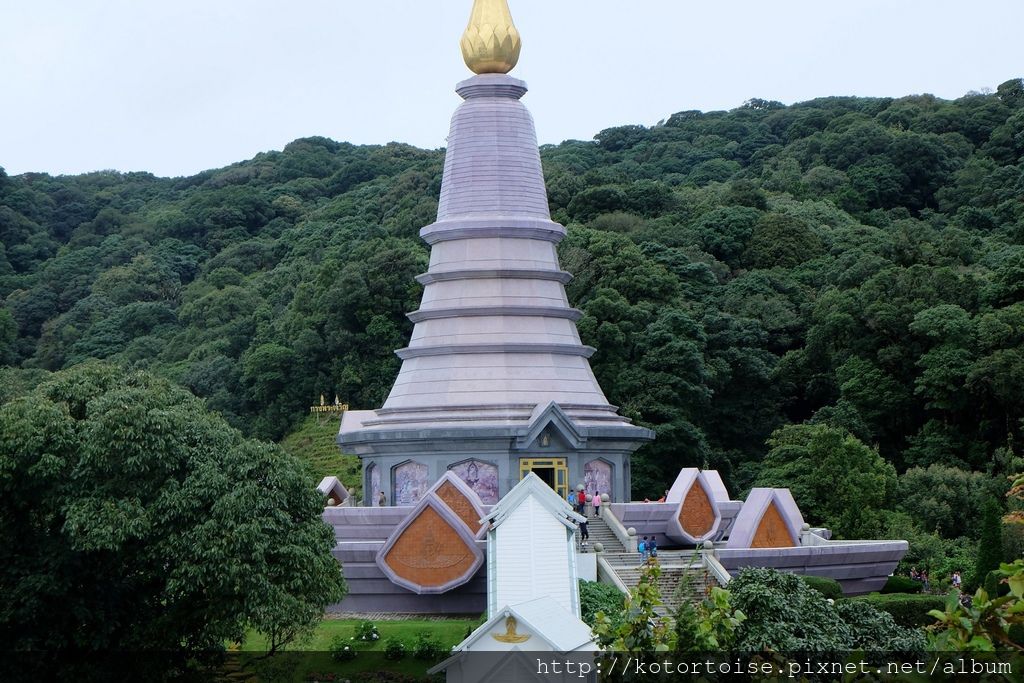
(510, 635)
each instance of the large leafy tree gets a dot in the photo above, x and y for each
(945, 500)
(131, 518)
(836, 479)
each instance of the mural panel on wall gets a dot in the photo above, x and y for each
(411, 481)
(374, 485)
(597, 477)
(482, 477)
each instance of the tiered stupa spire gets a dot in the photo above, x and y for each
(495, 339)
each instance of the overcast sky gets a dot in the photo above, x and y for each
(178, 86)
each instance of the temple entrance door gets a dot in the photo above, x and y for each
(554, 472)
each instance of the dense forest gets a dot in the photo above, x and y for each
(828, 295)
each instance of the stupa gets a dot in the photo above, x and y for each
(495, 382)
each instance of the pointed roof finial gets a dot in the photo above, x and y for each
(491, 43)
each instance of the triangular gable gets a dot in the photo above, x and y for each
(714, 480)
(431, 551)
(532, 485)
(546, 630)
(696, 516)
(331, 487)
(769, 518)
(681, 485)
(462, 500)
(565, 630)
(551, 415)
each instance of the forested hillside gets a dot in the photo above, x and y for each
(851, 267)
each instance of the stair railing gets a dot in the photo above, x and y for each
(628, 542)
(606, 574)
(711, 563)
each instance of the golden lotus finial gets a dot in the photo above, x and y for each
(491, 43)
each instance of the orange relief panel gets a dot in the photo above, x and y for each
(460, 505)
(430, 552)
(772, 532)
(697, 516)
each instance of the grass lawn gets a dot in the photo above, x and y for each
(312, 660)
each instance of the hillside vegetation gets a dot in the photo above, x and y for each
(313, 442)
(766, 287)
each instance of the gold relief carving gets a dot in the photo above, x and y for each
(510, 635)
(430, 552)
(697, 516)
(460, 505)
(772, 531)
(491, 43)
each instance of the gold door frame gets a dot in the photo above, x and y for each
(560, 465)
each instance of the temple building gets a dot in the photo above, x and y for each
(496, 405)
(495, 382)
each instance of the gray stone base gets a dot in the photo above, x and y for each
(553, 435)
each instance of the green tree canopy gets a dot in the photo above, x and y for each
(133, 519)
(945, 500)
(836, 479)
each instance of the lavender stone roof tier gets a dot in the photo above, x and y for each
(495, 335)
(495, 370)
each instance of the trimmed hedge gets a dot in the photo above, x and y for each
(909, 611)
(830, 588)
(901, 584)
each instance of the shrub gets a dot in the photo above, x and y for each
(709, 626)
(342, 649)
(783, 613)
(365, 630)
(427, 648)
(600, 597)
(908, 611)
(901, 584)
(829, 588)
(394, 649)
(874, 629)
(640, 627)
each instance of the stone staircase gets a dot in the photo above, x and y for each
(682, 579)
(683, 576)
(600, 533)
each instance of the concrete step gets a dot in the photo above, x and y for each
(683, 577)
(599, 532)
(677, 584)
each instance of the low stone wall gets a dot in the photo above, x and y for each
(859, 566)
